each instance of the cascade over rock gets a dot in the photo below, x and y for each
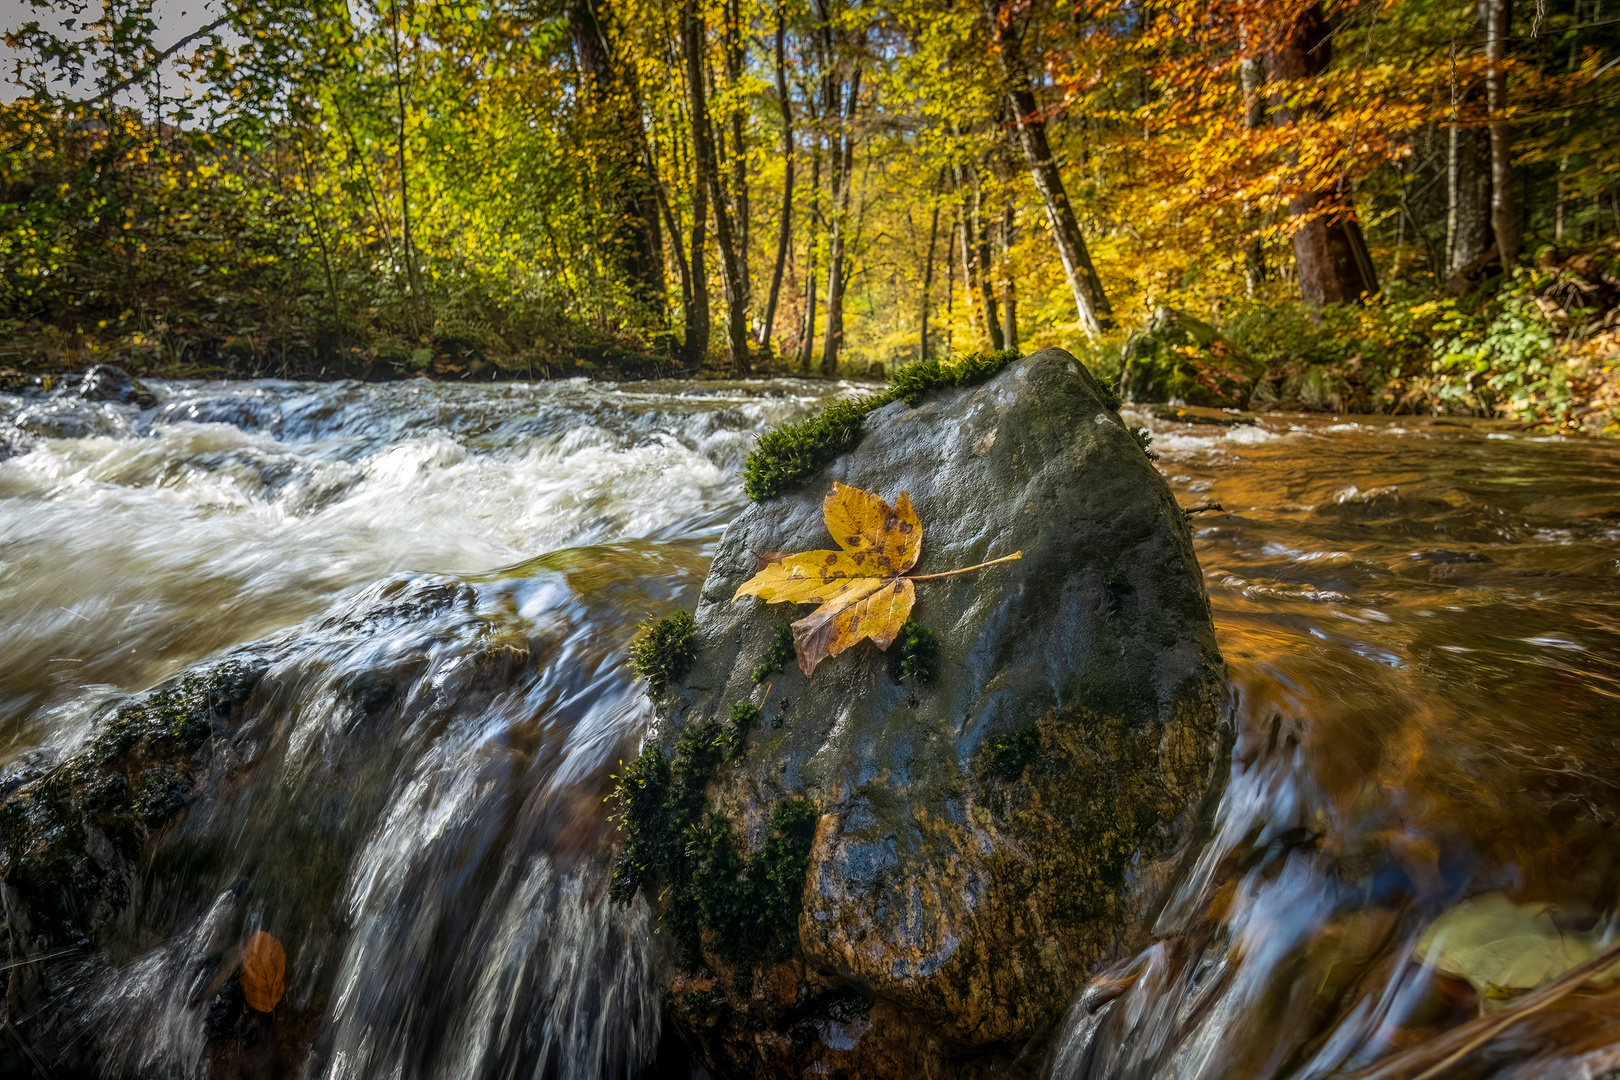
(982, 841)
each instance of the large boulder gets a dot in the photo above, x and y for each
(887, 877)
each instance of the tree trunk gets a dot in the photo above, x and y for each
(1252, 73)
(1468, 172)
(697, 313)
(1330, 254)
(843, 181)
(784, 232)
(970, 281)
(1090, 301)
(1009, 287)
(984, 272)
(1504, 208)
(707, 182)
(928, 275)
(807, 340)
(633, 201)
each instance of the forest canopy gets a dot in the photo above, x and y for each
(814, 185)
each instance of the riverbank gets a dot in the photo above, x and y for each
(1540, 348)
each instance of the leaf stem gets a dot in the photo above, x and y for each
(967, 569)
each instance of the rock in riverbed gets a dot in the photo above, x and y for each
(966, 850)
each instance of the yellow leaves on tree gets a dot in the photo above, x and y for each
(862, 589)
(264, 972)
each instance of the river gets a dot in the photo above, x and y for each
(1421, 621)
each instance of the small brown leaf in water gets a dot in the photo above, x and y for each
(264, 971)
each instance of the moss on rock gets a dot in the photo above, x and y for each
(665, 650)
(71, 834)
(786, 458)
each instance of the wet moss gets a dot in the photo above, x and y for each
(665, 650)
(132, 779)
(786, 458)
(913, 653)
(777, 653)
(680, 853)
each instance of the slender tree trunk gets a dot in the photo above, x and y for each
(707, 181)
(408, 245)
(1090, 302)
(633, 200)
(970, 281)
(982, 266)
(1252, 72)
(1504, 208)
(1330, 254)
(784, 232)
(697, 314)
(1009, 287)
(928, 270)
(950, 291)
(841, 104)
(807, 341)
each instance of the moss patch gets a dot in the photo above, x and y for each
(777, 653)
(913, 653)
(786, 458)
(664, 651)
(133, 778)
(679, 852)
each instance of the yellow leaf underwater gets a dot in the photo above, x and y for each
(862, 589)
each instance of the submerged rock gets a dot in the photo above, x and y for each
(108, 382)
(865, 875)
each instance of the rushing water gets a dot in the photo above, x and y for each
(1421, 622)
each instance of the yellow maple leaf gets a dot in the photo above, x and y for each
(863, 589)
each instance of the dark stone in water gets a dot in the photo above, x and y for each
(977, 845)
(108, 382)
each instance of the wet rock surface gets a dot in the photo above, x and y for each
(979, 842)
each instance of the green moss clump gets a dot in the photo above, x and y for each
(911, 381)
(665, 650)
(707, 883)
(1111, 398)
(1144, 439)
(1009, 753)
(777, 653)
(913, 653)
(786, 458)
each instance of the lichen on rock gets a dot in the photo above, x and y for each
(976, 844)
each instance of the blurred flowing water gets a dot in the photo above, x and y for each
(1421, 622)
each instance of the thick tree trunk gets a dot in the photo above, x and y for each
(1504, 208)
(784, 233)
(1329, 252)
(638, 240)
(1468, 172)
(1090, 301)
(707, 181)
